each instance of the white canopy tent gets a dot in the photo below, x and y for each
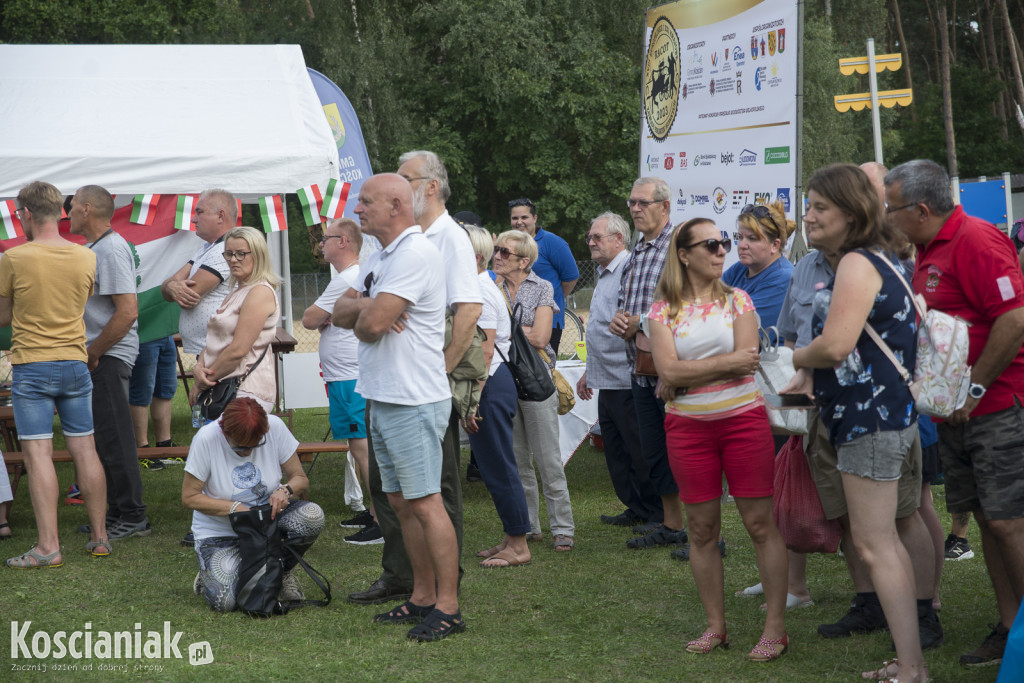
(165, 119)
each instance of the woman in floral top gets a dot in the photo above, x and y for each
(704, 340)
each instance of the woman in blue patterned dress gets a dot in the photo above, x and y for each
(863, 401)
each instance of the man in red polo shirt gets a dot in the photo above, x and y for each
(968, 268)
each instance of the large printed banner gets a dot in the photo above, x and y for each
(719, 125)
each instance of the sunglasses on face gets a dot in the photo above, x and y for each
(713, 245)
(245, 449)
(760, 211)
(505, 252)
(520, 202)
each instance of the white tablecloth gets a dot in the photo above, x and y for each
(574, 426)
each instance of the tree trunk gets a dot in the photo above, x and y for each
(991, 61)
(894, 7)
(1015, 56)
(947, 97)
(935, 39)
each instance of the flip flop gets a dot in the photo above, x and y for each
(509, 558)
(491, 552)
(33, 559)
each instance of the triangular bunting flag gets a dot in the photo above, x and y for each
(238, 223)
(335, 199)
(143, 208)
(183, 216)
(10, 224)
(272, 212)
(311, 201)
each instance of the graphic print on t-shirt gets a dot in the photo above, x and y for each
(249, 479)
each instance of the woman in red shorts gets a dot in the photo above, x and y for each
(704, 338)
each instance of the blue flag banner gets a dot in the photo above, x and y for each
(353, 161)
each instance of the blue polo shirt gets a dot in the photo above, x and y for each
(556, 265)
(767, 289)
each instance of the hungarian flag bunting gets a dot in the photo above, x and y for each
(238, 223)
(335, 199)
(143, 208)
(10, 227)
(311, 201)
(272, 212)
(183, 216)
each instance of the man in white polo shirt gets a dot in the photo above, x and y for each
(399, 321)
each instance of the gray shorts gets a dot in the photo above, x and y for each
(983, 461)
(877, 456)
(825, 469)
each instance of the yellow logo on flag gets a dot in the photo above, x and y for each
(337, 126)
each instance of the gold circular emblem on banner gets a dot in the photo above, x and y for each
(661, 79)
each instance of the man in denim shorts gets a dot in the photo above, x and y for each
(151, 391)
(968, 268)
(49, 358)
(399, 319)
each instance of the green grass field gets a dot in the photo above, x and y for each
(599, 613)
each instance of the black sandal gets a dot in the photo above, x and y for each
(438, 625)
(406, 613)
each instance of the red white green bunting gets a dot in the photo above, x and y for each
(311, 201)
(272, 212)
(143, 208)
(238, 223)
(10, 227)
(335, 199)
(183, 216)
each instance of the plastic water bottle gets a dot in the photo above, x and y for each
(197, 420)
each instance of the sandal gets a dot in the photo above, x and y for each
(5, 525)
(535, 537)
(406, 613)
(34, 560)
(438, 625)
(707, 642)
(889, 671)
(767, 649)
(506, 556)
(491, 552)
(563, 543)
(100, 548)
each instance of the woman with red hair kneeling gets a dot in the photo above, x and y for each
(234, 464)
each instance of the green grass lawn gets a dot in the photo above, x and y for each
(601, 612)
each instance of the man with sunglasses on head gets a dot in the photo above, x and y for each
(555, 262)
(339, 363)
(650, 206)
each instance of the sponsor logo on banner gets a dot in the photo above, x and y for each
(760, 74)
(782, 194)
(720, 200)
(771, 43)
(653, 162)
(725, 158)
(762, 44)
(753, 47)
(681, 199)
(738, 55)
(682, 160)
(661, 79)
(712, 86)
(703, 160)
(775, 79)
(740, 198)
(762, 198)
(669, 162)
(739, 82)
(782, 40)
(748, 158)
(776, 155)
(700, 199)
(714, 58)
(726, 54)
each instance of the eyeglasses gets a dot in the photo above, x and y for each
(899, 208)
(596, 238)
(244, 449)
(760, 211)
(505, 252)
(18, 211)
(713, 245)
(236, 255)
(520, 202)
(323, 240)
(642, 203)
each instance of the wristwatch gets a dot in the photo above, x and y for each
(976, 391)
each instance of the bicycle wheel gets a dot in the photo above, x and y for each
(573, 332)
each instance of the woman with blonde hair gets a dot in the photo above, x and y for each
(704, 340)
(763, 271)
(535, 433)
(244, 324)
